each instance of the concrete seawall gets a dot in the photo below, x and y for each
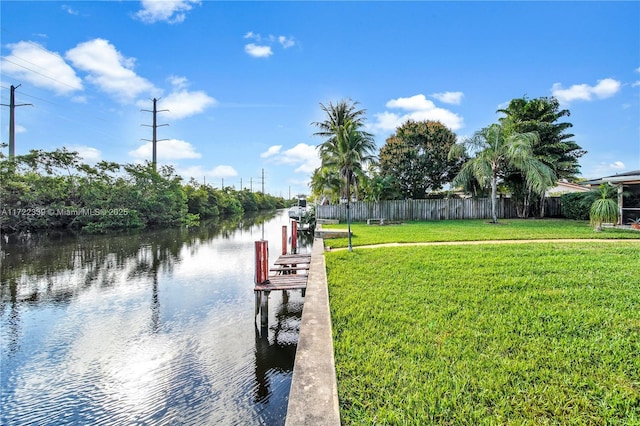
(313, 398)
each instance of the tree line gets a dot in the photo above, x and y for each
(524, 154)
(56, 190)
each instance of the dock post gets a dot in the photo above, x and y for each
(264, 310)
(294, 237)
(262, 261)
(258, 297)
(284, 239)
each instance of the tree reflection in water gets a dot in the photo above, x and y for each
(276, 346)
(54, 268)
(171, 313)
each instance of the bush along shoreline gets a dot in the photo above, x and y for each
(56, 190)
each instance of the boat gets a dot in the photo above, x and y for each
(299, 210)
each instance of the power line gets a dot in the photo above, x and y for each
(41, 71)
(60, 107)
(4, 58)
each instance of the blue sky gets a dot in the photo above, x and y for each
(243, 80)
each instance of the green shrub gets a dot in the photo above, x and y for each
(576, 205)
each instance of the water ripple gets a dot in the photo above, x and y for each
(154, 329)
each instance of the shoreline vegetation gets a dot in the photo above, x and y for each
(56, 191)
(540, 333)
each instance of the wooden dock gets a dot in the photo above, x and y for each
(290, 272)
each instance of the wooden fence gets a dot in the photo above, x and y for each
(442, 209)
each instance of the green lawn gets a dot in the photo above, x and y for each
(521, 334)
(473, 230)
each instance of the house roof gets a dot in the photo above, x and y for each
(567, 187)
(624, 178)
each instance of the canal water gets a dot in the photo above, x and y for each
(153, 328)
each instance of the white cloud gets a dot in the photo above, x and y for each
(617, 165)
(414, 103)
(258, 51)
(181, 103)
(606, 88)
(170, 11)
(604, 169)
(184, 104)
(273, 150)
(454, 98)
(88, 154)
(584, 92)
(198, 172)
(577, 91)
(286, 42)
(20, 129)
(638, 69)
(69, 9)
(223, 172)
(302, 155)
(31, 62)
(178, 82)
(262, 48)
(108, 69)
(420, 109)
(167, 150)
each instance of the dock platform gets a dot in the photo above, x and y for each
(285, 275)
(290, 272)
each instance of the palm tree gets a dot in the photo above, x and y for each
(554, 147)
(498, 149)
(325, 182)
(337, 115)
(348, 150)
(605, 207)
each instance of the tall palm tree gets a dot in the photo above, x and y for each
(337, 115)
(498, 148)
(348, 149)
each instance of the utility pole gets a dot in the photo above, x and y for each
(240, 184)
(251, 184)
(263, 181)
(154, 141)
(12, 121)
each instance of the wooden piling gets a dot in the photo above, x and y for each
(264, 310)
(258, 297)
(294, 237)
(284, 239)
(262, 261)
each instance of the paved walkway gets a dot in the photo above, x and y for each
(480, 242)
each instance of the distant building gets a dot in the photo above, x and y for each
(564, 188)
